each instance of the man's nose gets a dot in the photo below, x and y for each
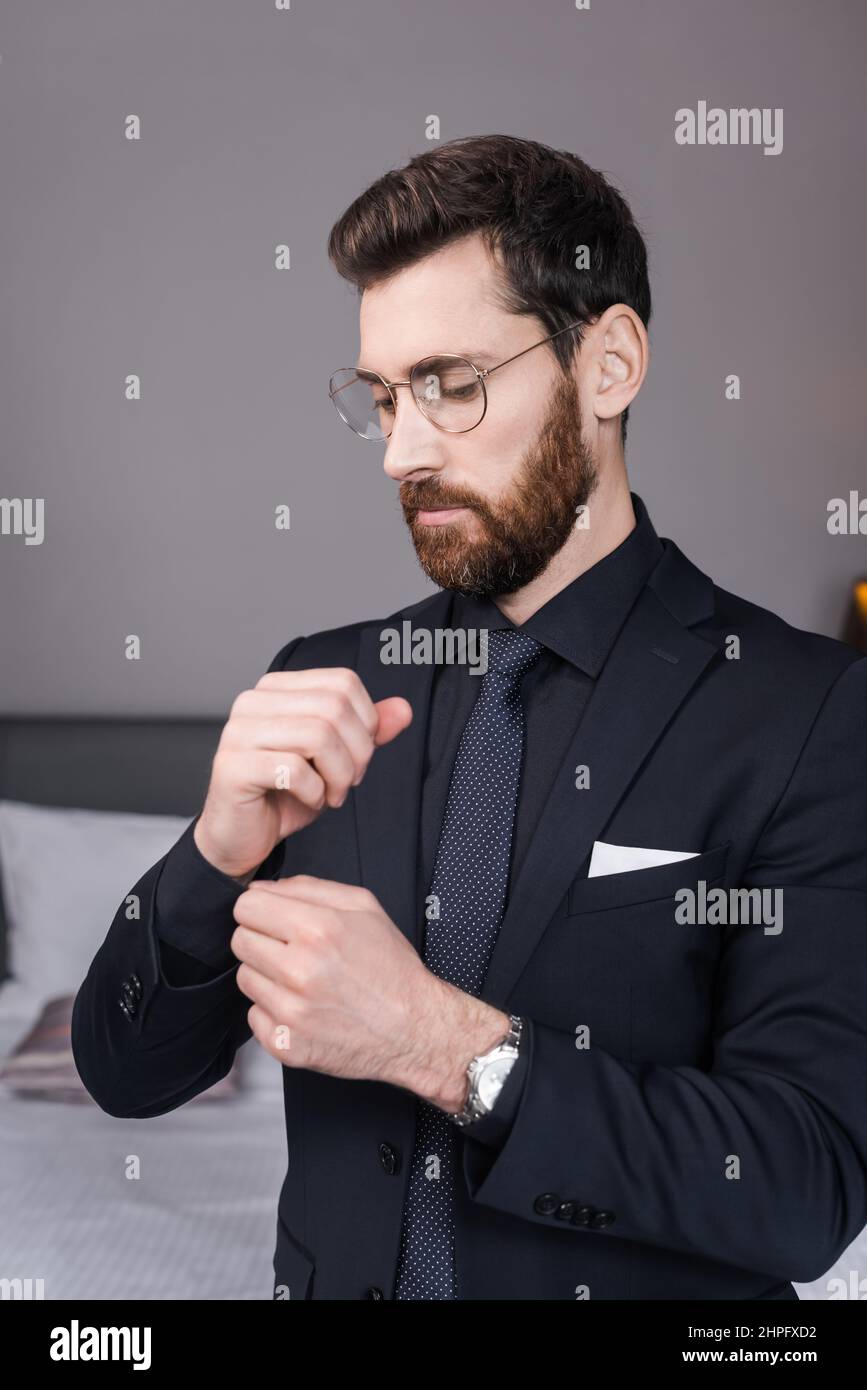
(415, 447)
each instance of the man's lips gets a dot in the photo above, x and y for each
(438, 516)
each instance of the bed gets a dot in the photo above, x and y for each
(199, 1219)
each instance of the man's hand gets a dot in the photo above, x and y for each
(296, 743)
(337, 988)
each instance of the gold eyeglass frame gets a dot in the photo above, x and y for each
(481, 374)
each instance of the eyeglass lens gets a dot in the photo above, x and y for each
(447, 390)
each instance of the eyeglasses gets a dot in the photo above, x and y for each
(448, 390)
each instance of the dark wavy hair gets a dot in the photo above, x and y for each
(532, 205)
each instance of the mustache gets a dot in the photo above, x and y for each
(429, 493)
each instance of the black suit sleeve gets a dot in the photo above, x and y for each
(159, 1017)
(761, 1160)
(193, 911)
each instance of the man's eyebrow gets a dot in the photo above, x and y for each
(479, 358)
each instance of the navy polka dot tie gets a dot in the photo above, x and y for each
(468, 891)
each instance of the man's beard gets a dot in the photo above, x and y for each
(526, 528)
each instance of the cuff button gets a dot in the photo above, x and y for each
(602, 1218)
(546, 1203)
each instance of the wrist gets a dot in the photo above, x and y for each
(241, 874)
(465, 1028)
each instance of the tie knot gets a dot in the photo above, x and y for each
(511, 652)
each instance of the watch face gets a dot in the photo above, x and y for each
(491, 1080)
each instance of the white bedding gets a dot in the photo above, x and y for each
(199, 1223)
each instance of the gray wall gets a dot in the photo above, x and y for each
(259, 127)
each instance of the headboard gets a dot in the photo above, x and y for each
(158, 766)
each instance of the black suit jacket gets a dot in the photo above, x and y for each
(711, 1142)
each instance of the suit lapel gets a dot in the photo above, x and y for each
(650, 671)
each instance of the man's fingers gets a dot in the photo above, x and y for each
(337, 678)
(262, 719)
(278, 914)
(340, 750)
(395, 715)
(310, 734)
(322, 892)
(276, 1038)
(308, 893)
(265, 953)
(314, 739)
(271, 770)
(270, 996)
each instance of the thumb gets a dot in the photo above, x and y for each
(395, 715)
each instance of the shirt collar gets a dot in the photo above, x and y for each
(581, 622)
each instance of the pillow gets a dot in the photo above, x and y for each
(64, 873)
(42, 1067)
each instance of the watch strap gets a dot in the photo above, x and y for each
(474, 1108)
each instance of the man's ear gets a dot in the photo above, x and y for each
(620, 354)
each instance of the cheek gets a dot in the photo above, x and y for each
(492, 459)
(514, 420)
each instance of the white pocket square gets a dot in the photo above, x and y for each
(620, 859)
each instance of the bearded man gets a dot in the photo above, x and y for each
(448, 904)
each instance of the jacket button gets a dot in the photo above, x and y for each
(129, 994)
(374, 1293)
(546, 1203)
(390, 1159)
(128, 1010)
(602, 1218)
(136, 984)
(565, 1211)
(582, 1216)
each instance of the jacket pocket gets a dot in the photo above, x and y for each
(608, 891)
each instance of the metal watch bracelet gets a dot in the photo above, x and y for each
(506, 1050)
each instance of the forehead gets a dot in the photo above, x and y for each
(444, 303)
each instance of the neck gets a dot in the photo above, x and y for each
(611, 519)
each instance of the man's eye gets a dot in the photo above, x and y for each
(386, 404)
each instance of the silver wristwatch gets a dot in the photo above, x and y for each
(487, 1074)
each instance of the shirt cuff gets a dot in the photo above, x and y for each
(194, 902)
(493, 1129)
